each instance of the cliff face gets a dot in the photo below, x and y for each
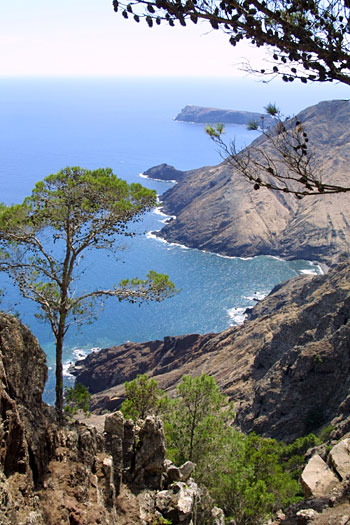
(218, 210)
(70, 473)
(287, 369)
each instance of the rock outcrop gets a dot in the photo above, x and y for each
(203, 115)
(287, 369)
(164, 172)
(70, 473)
(217, 209)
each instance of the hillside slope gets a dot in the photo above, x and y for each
(287, 369)
(217, 209)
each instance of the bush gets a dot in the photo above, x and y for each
(76, 398)
(143, 398)
(244, 475)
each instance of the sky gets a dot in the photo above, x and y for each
(86, 38)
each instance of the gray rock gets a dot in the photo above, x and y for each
(177, 502)
(218, 516)
(150, 454)
(317, 479)
(173, 474)
(305, 516)
(339, 459)
(114, 436)
(186, 470)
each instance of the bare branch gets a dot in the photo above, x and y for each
(285, 162)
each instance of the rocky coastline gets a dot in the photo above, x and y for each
(286, 368)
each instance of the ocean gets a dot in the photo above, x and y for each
(127, 124)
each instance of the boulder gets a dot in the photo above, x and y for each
(305, 516)
(317, 479)
(339, 459)
(177, 503)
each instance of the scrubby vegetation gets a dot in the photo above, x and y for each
(248, 476)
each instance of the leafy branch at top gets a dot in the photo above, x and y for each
(309, 39)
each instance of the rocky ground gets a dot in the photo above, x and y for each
(69, 473)
(218, 210)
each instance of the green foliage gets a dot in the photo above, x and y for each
(143, 398)
(76, 398)
(253, 125)
(318, 359)
(215, 131)
(248, 476)
(195, 418)
(249, 481)
(324, 434)
(272, 109)
(161, 521)
(43, 241)
(243, 474)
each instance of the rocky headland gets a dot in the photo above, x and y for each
(203, 115)
(217, 209)
(164, 172)
(286, 369)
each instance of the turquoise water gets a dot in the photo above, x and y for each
(128, 125)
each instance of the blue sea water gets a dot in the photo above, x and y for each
(127, 124)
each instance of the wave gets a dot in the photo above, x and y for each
(159, 211)
(151, 235)
(256, 296)
(311, 272)
(78, 354)
(237, 315)
(168, 181)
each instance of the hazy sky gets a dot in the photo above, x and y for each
(86, 37)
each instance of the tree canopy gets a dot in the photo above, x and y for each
(43, 241)
(308, 39)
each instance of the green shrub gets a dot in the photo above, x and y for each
(76, 398)
(143, 398)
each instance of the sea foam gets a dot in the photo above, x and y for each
(237, 315)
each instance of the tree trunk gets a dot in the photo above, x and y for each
(59, 374)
